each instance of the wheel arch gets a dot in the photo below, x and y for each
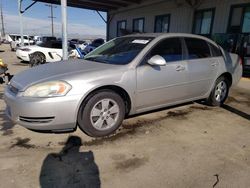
(228, 76)
(39, 53)
(210, 98)
(117, 89)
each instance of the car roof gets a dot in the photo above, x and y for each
(163, 35)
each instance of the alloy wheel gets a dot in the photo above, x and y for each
(220, 91)
(104, 114)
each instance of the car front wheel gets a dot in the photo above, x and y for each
(101, 113)
(37, 58)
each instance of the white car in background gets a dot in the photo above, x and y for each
(27, 40)
(46, 52)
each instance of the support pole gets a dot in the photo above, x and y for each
(52, 20)
(101, 16)
(20, 21)
(3, 30)
(51, 6)
(64, 29)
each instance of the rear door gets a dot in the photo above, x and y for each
(160, 85)
(201, 67)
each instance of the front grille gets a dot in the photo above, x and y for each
(37, 120)
(13, 89)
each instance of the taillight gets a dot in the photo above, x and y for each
(240, 61)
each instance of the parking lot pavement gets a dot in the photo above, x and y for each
(192, 145)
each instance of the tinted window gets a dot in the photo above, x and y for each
(162, 23)
(170, 49)
(45, 44)
(239, 19)
(216, 52)
(138, 25)
(13, 37)
(203, 22)
(74, 40)
(121, 25)
(97, 42)
(51, 44)
(57, 45)
(246, 21)
(72, 46)
(119, 51)
(197, 48)
(45, 39)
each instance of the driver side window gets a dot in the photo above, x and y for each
(170, 49)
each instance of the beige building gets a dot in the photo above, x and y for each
(204, 17)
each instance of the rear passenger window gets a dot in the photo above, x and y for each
(197, 48)
(170, 49)
(56, 45)
(216, 52)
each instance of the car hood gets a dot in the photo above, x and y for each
(55, 71)
(31, 47)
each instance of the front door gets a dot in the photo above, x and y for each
(160, 85)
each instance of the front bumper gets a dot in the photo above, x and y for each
(22, 55)
(43, 114)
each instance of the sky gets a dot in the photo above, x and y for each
(82, 23)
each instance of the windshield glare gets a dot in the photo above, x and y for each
(119, 51)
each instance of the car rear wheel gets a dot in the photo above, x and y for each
(101, 113)
(220, 92)
(37, 58)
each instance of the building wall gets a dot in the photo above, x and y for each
(181, 15)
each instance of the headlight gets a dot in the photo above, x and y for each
(48, 89)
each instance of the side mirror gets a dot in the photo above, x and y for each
(157, 60)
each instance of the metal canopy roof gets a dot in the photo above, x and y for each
(99, 5)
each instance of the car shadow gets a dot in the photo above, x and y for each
(70, 167)
(162, 109)
(236, 111)
(22, 63)
(6, 125)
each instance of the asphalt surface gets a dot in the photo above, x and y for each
(191, 145)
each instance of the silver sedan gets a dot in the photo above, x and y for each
(125, 76)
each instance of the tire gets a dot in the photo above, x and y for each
(94, 116)
(37, 58)
(219, 93)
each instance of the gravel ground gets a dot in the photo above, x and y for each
(192, 145)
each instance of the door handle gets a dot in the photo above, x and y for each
(180, 68)
(214, 64)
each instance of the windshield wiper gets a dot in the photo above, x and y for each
(90, 58)
(97, 59)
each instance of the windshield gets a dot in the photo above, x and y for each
(119, 51)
